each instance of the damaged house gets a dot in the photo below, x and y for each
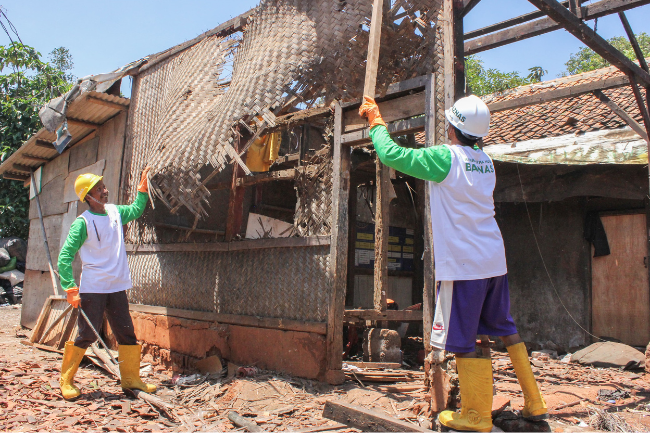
(273, 227)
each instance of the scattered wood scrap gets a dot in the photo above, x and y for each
(377, 375)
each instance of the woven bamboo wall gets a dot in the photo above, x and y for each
(288, 283)
(306, 52)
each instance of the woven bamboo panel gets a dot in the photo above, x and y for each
(288, 283)
(306, 52)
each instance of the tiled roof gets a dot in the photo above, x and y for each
(556, 118)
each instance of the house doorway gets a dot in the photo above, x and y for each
(620, 293)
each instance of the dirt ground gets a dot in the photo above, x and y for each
(30, 399)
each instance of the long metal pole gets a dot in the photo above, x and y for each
(98, 337)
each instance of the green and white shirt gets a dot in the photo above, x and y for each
(467, 241)
(99, 239)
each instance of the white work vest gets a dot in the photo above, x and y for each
(103, 255)
(467, 242)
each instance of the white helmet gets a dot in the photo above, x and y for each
(470, 115)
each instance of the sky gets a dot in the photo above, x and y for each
(102, 39)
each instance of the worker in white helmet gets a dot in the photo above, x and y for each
(470, 261)
(98, 237)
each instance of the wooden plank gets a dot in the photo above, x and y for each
(271, 176)
(55, 322)
(68, 189)
(448, 52)
(390, 315)
(546, 25)
(382, 224)
(236, 199)
(554, 95)
(589, 37)
(642, 107)
(44, 144)
(392, 110)
(400, 127)
(11, 176)
(338, 250)
(633, 41)
(366, 420)
(112, 136)
(67, 221)
(36, 255)
(83, 154)
(389, 365)
(622, 114)
(82, 123)
(57, 167)
(23, 168)
(257, 322)
(620, 297)
(253, 244)
(50, 198)
(374, 41)
(35, 158)
(42, 318)
(459, 49)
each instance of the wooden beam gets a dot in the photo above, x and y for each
(193, 230)
(622, 114)
(271, 176)
(449, 52)
(564, 92)
(394, 109)
(382, 224)
(11, 176)
(468, 5)
(506, 24)
(372, 62)
(236, 199)
(82, 123)
(544, 25)
(109, 104)
(390, 315)
(233, 319)
(342, 156)
(635, 44)
(24, 168)
(366, 420)
(584, 33)
(459, 50)
(251, 244)
(36, 158)
(644, 111)
(396, 128)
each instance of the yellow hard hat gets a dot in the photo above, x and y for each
(84, 183)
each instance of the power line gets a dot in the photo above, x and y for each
(11, 26)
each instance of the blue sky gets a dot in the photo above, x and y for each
(101, 39)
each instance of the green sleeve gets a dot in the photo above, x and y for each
(76, 237)
(134, 210)
(428, 163)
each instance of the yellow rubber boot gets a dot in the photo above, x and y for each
(475, 380)
(534, 404)
(129, 358)
(72, 356)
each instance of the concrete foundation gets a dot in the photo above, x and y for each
(179, 343)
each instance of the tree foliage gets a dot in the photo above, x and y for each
(587, 60)
(26, 83)
(482, 81)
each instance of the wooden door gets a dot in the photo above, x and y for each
(620, 298)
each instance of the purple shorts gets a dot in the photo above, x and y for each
(465, 309)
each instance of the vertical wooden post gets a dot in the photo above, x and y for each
(428, 296)
(352, 240)
(50, 266)
(372, 62)
(459, 50)
(382, 224)
(338, 251)
(453, 50)
(236, 200)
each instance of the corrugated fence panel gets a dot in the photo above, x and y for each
(287, 283)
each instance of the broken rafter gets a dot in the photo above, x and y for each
(589, 37)
(635, 44)
(622, 114)
(468, 5)
(539, 27)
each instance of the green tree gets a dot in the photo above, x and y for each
(481, 81)
(587, 60)
(61, 59)
(26, 83)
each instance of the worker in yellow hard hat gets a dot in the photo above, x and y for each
(98, 238)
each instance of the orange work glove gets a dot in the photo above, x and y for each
(73, 297)
(370, 110)
(143, 186)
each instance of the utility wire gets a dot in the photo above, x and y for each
(541, 256)
(11, 26)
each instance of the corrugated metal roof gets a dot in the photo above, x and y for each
(85, 115)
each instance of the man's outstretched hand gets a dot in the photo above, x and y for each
(73, 297)
(143, 186)
(370, 110)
